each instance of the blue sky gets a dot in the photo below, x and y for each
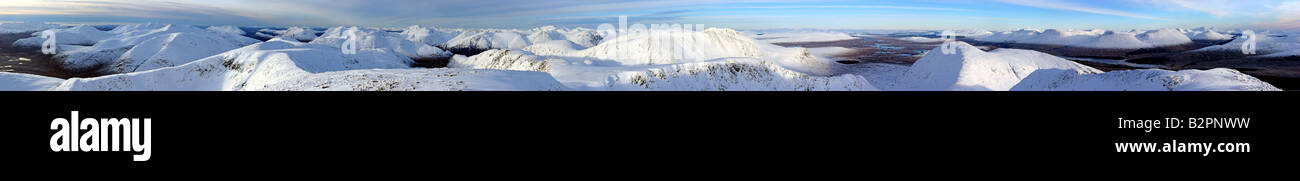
(742, 14)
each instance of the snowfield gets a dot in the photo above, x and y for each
(1145, 80)
(27, 82)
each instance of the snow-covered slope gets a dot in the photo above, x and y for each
(367, 38)
(1211, 35)
(488, 39)
(546, 33)
(297, 33)
(1164, 37)
(77, 35)
(27, 82)
(128, 48)
(689, 46)
(1205, 34)
(1092, 38)
(1144, 80)
(25, 27)
(173, 49)
(581, 36)
(554, 47)
(431, 36)
(733, 74)
(503, 60)
(971, 69)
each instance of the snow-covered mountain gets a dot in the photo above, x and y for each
(1011, 69)
(518, 39)
(368, 38)
(83, 35)
(138, 47)
(1091, 38)
(172, 49)
(226, 29)
(1205, 34)
(431, 36)
(584, 37)
(289, 65)
(554, 47)
(488, 39)
(1264, 45)
(971, 69)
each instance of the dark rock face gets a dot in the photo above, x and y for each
(468, 52)
(440, 62)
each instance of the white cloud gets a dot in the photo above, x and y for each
(1288, 16)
